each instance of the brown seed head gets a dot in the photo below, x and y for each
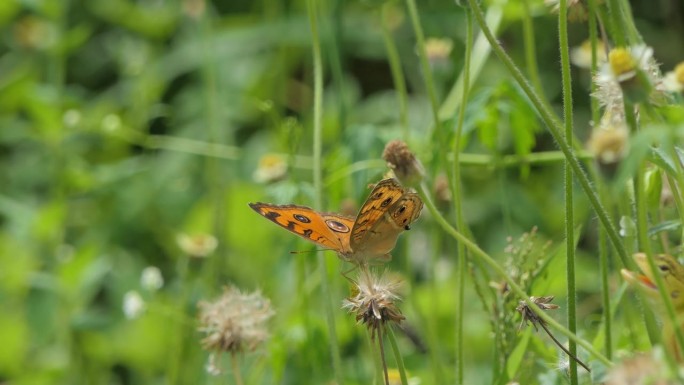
(401, 160)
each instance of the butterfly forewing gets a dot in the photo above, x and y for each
(328, 230)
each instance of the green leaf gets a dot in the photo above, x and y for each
(516, 357)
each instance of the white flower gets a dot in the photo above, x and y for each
(198, 245)
(674, 80)
(151, 278)
(133, 304)
(630, 72)
(581, 55)
(272, 168)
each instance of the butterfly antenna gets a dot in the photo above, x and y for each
(308, 251)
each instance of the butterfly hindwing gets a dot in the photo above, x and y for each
(384, 195)
(328, 230)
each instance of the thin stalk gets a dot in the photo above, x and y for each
(377, 361)
(397, 356)
(617, 24)
(530, 49)
(515, 288)
(481, 50)
(569, 204)
(395, 67)
(601, 189)
(566, 351)
(318, 184)
(382, 355)
(236, 369)
(556, 131)
(334, 37)
(457, 193)
(425, 66)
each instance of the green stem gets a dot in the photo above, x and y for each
(555, 129)
(618, 27)
(481, 50)
(603, 242)
(236, 368)
(395, 68)
(318, 184)
(427, 72)
(569, 204)
(397, 355)
(457, 193)
(530, 49)
(515, 288)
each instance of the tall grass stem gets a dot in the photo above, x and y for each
(318, 184)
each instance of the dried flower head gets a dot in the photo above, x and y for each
(374, 300)
(642, 369)
(235, 322)
(442, 191)
(272, 168)
(581, 55)
(197, 245)
(577, 11)
(529, 315)
(401, 160)
(674, 80)
(630, 72)
(609, 141)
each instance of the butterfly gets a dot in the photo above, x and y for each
(388, 211)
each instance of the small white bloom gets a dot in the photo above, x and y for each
(198, 245)
(111, 122)
(151, 278)
(133, 304)
(674, 80)
(580, 56)
(71, 117)
(272, 168)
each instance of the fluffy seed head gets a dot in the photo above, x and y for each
(235, 322)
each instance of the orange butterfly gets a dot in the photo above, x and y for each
(389, 210)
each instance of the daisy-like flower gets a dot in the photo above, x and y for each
(151, 278)
(272, 168)
(198, 245)
(581, 55)
(133, 304)
(374, 300)
(438, 50)
(401, 160)
(629, 72)
(674, 80)
(234, 323)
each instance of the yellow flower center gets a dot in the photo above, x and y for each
(679, 73)
(621, 61)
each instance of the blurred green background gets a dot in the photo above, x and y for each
(128, 125)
